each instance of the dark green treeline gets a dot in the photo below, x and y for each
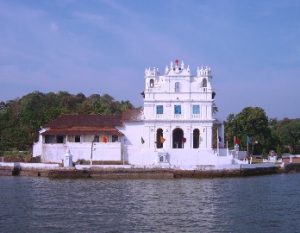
(21, 119)
(264, 134)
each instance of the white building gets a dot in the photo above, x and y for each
(87, 137)
(174, 129)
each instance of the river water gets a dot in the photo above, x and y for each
(252, 204)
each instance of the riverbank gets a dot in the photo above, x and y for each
(54, 171)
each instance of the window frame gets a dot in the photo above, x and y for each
(159, 109)
(50, 139)
(96, 138)
(204, 83)
(60, 139)
(196, 109)
(76, 137)
(114, 138)
(177, 87)
(177, 109)
(151, 82)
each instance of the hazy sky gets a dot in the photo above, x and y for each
(95, 46)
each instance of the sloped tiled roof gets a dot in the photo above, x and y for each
(83, 125)
(66, 121)
(83, 131)
(132, 115)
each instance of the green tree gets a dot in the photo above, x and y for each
(21, 119)
(275, 137)
(251, 122)
(289, 133)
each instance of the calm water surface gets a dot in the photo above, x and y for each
(255, 204)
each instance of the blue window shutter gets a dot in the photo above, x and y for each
(196, 109)
(159, 109)
(177, 109)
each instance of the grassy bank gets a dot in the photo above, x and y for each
(18, 156)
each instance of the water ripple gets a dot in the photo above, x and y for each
(255, 204)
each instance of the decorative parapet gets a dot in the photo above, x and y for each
(151, 72)
(203, 71)
(176, 68)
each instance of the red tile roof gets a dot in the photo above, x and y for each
(83, 125)
(66, 121)
(83, 131)
(132, 115)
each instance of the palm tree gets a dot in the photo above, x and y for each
(214, 108)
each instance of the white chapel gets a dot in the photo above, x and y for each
(175, 128)
(176, 123)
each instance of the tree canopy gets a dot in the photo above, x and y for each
(263, 134)
(20, 119)
(288, 133)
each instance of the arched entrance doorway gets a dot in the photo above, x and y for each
(178, 138)
(196, 134)
(159, 138)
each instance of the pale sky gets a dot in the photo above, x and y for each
(104, 46)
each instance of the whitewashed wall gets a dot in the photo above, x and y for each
(176, 157)
(133, 132)
(29, 165)
(37, 149)
(101, 151)
(53, 153)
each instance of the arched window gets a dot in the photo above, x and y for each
(151, 83)
(178, 138)
(177, 87)
(204, 82)
(159, 138)
(196, 134)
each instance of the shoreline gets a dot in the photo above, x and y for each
(143, 173)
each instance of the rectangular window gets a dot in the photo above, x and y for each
(177, 109)
(77, 138)
(60, 139)
(49, 139)
(177, 87)
(196, 109)
(114, 138)
(96, 138)
(159, 109)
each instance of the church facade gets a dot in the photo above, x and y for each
(175, 128)
(176, 124)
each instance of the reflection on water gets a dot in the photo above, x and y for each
(255, 204)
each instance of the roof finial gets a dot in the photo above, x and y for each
(166, 69)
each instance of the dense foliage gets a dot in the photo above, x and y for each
(21, 119)
(263, 134)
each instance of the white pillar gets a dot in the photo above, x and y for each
(68, 159)
(208, 137)
(221, 134)
(218, 151)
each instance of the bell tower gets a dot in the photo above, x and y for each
(178, 104)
